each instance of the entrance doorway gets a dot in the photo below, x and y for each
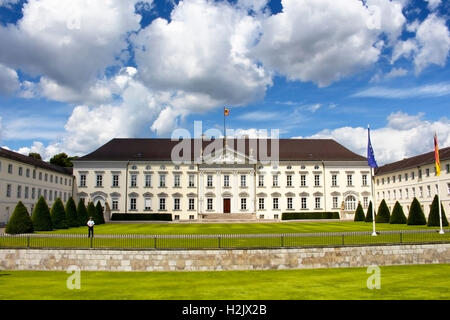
(226, 205)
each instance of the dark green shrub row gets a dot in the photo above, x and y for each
(309, 215)
(141, 217)
(359, 214)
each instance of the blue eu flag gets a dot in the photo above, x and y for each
(370, 155)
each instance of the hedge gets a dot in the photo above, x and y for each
(309, 215)
(141, 217)
(416, 216)
(359, 214)
(383, 215)
(71, 213)
(369, 217)
(58, 214)
(82, 215)
(20, 221)
(398, 216)
(92, 213)
(433, 217)
(42, 221)
(100, 215)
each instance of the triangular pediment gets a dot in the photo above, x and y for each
(227, 156)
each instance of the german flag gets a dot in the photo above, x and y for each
(226, 112)
(436, 156)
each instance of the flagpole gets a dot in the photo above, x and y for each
(372, 163)
(438, 173)
(374, 233)
(441, 231)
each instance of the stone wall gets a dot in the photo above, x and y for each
(213, 260)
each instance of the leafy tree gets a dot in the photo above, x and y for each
(35, 155)
(100, 215)
(62, 160)
(20, 221)
(416, 216)
(433, 217)
(82, 214)
(398, 216)
(383, 215)
(369, 217)
(58, 214)
(359, 214)
(42, 220)
(71, 214)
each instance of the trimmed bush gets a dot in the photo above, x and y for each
(398, 216)
(58, 214)
(71, 214)
(141, 217)
(20, 221)
(82, 215)
(383, 215)
(100, 215)
(42, 220)
(92, 212)
(416, 216)
(369, 217)
(359, 214)
(309, 215)
(433, 217)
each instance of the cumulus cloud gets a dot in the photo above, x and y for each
(46, 152)
(9, 80)
(398, 140)
(433, 4)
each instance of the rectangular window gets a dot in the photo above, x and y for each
(209, 204)
(26, 193)
(39, 192)
(45, 194)
(349, 180)
(65, 196)
(115, 180)
(99, 180)
(303, 202)
(317, 180)
(364, 179)
(46, 177)
(226, 181)
(243, 204)
(162, 203)
(162, 181)
(334, 180)
(209, 181)
(400, 194)
(191, 181)
(447, 166)
(243, 181)
(51, 179)
(148, 180)
(20, 171)
(448, 188)
(10, 168)
(8, 191)
(388, 180)
(427, 172)
(412, 175)
(148, 204)
(34, 173)
(115, 204)
(261, 203)
(33, 193)
(429, 191)
(289, 180)
(393, 179)
(335, 202)
(176, 204)
(132, 203)
(399, 178)
(177, 181)
(133, 183)
(27, 173)
(191, 217)
(420, 192)
(289, 203)
(303, 180)
(261, 181)
(406, 176)
(419, 174)
(275, 203)
(19, 192)
(275, 180)
(365, 202)
(317, 201)
(82, 179)
(191, 204)
(50, 195)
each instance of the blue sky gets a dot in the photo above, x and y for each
(74, 75)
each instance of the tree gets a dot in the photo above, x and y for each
(100, 215)
(58, 214)
(20, 221)
(416, 216)
(383, 215)
(62, 160)
(71, 214)
(398, 216)
(82, 215)
(433, 217)
(359, 214)
(92, 212)
(42, 220)
(369, 217)
(35, 155)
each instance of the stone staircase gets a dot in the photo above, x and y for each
(225, 217)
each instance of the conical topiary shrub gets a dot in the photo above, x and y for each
(42, 220)
(82, 215)
(359, 214)
(416, 216)
(71, 214)
(58, 214)
(92, 212)
(369, 217)
(433, 217)
(383, 215)
(20, 221)
(100, 215)
(398, 216)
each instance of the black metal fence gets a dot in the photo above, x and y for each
(222, 241)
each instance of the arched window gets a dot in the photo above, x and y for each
(350, 203)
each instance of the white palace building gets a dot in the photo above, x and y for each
(140, 176)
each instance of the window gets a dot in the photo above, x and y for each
(148, 204)
(115, 204)
(99, 180)
(365, 202)
(412, 175)
(8, 191)
(19, 192)
(406, 176)
(364, 180)
(261, 181)
(34, 173)
(82, 179)
(65, 181)
(289, 203)
(191, 204)
(275, 203)
(46, 177)
(51, 179)
(209, 181)
(162, 180)
(400, 194)
(289, 180)
(335, 202)
(209, 204)
(176, 217)
(50, 195)
(10, 168)
(334, 180)
(191, 217)
(350, 203)
(420, 192)
(378, 182)
(133, 183)
(303, 180)
(303, 203)
(20, 171)
(316, 167)
(191, 181)
(388, 180)
(115, 180)
(317, 202)
(39, 192)
(419, 174)
(399, 178)
(45, 194)
(448, 188)
(447, 166)
(395, 194)
(176, 204)
(226, 181)
(407, 193)
(243, 203)
(148, 180)
(275, 180)
(26, 193)
(132, 203)
(429, 191)
(33, 193)
(427, 172)
(177, 180)
(261, 203)
(27, 173)
(317, 180)
(350, 180)
(243, 181)
(393, 179)
(382, 181)
(65, 196)
(162, 203)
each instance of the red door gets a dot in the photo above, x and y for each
(226, 205)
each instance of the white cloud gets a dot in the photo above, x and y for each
(46, 152)
(298, 44)
(259, 116)
(431, 90)
(433, 4)
(8, 3)
(398, 140)
(9, 81)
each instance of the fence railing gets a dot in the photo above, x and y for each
(221, 241)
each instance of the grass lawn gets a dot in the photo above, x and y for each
(397, 282)
(238, 228)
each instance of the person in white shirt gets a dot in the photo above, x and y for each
(90, 225)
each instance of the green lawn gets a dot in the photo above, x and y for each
(399, 282)
(238, 228)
